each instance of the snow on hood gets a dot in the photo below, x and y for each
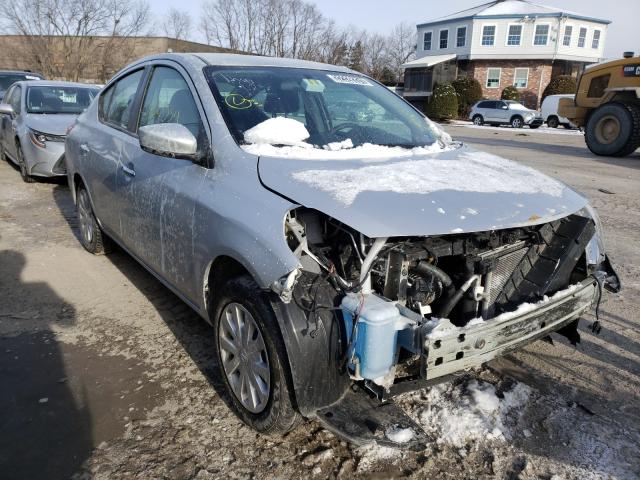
(54, 124)
(413, 192)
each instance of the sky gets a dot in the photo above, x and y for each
(380, 16)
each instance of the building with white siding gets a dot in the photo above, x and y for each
(501, 43)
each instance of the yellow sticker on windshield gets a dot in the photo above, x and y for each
(237, 101)
(312, 85)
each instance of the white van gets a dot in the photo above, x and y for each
(549, 111)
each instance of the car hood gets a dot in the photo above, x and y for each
(54, 124)
(454, 191)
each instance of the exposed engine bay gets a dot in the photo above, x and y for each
(401, 299)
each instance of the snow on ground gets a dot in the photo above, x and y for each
(455, 415)
(543, 130)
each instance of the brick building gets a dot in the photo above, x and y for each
(86, 59)
(502, 43)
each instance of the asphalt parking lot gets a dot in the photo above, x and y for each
(106, 374)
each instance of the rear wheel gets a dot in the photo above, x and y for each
(252, 359)
(553, 122)
(478, 120)
(91, 235)
(22, 164)
(614, 130)
(517, 122)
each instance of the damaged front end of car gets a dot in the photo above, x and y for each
(402, 313)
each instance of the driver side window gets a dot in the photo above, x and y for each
(169, 100)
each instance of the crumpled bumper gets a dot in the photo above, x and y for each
(448, 349)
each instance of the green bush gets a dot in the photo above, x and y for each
(444, 102)
(469, 91)
(510, 93)
(559, 85)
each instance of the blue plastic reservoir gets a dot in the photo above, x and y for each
(375, 335)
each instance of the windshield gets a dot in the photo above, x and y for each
(55, 99)
(8, 79)
(315, 108)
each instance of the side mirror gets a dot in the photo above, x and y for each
(169, 140)
(6, 109)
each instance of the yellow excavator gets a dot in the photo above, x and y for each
(607, 106)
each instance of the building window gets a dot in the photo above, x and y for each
(444, 38)
(521, 78)
(493, 77)
(488, 35)
(566, 40)
(542, 35)
(582, 38)
(595, 43)
(461, 37)
(515, 35)
(426, 41)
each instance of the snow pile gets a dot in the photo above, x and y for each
(279, 131)
(457, 415)
(468, 172)
(371, 454)
(339, 151)
(399, 435)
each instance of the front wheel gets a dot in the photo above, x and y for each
(22, 164)
(552, 122)
(91, 235)
(517, 122)
(251, 357)
(614, 130)
(478, 120)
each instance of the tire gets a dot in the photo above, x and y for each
(265, 361)
(614, 130)
(553, 122)
(516, 121)
(92, 237)
(478, 120)
(3, 155)
(22, 164)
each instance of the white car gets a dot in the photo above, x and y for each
(550, 114)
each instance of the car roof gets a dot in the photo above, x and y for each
(20, 72)
(55, 83)
(237, 60)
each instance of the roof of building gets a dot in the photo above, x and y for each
(511, 9)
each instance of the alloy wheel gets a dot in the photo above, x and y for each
(516, 123)
(608, 129)
(244, 357)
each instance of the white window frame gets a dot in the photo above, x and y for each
(495, 32)
(423, 35)
(593, 38)
(440, 38)
(564, 35)
(499, 69)
(506, 39)
(533, 39)
(586, 34)
(464, 43)
(515, 76)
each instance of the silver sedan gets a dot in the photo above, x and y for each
(35, 116)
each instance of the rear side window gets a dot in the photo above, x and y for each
(117, 102)
(485, 105)
(598, 86)
(169, 100)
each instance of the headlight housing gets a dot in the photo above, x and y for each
(40, 139)
(595, 251)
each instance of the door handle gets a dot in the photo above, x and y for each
(128, 171)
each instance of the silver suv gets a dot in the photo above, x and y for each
(504, 112)
(336, 258)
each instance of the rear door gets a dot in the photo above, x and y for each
(108, 146)
(160, 192)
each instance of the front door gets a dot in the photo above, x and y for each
(160, 192)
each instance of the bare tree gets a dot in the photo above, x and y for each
(61, 36)
(401, 47)
(177, 24)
